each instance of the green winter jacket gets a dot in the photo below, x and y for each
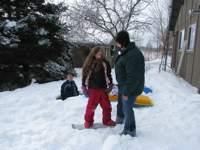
(129, 69)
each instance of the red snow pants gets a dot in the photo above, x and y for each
(98, 96)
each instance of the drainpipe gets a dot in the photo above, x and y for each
(167, 38)
(167, 47)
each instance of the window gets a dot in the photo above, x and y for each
(181, 39)
(191, 37)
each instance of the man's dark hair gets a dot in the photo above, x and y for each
(123, 38)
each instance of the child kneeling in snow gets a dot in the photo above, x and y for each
(68, 88)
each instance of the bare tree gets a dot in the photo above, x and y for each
(149, 50)
(160, 14)
(101, 20)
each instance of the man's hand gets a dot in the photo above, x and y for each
(125, 97)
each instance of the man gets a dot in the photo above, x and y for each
(129, 69)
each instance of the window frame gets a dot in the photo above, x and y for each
(181, 39)
(189, 37)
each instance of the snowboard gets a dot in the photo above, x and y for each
(94, 126)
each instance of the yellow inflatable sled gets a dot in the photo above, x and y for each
(141, 100)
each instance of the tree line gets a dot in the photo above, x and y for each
(37, 36)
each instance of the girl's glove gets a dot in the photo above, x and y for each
(109, 89)
(85, 91)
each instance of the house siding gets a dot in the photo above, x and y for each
(190, 67)
(195, 80)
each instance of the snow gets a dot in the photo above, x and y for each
(31, 118)
(10, 23)
(45, 41)
(43, 32)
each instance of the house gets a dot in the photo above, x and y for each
(185, 25)
(82, 50)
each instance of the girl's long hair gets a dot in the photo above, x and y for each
(90, 61)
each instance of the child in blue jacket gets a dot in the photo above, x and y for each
(68, 88)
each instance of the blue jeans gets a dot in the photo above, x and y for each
(125, 110)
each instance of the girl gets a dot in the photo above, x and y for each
(96, 75)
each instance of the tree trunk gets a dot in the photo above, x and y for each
(26, 71)
(114, 57)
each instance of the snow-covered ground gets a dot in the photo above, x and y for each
(31, 118)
